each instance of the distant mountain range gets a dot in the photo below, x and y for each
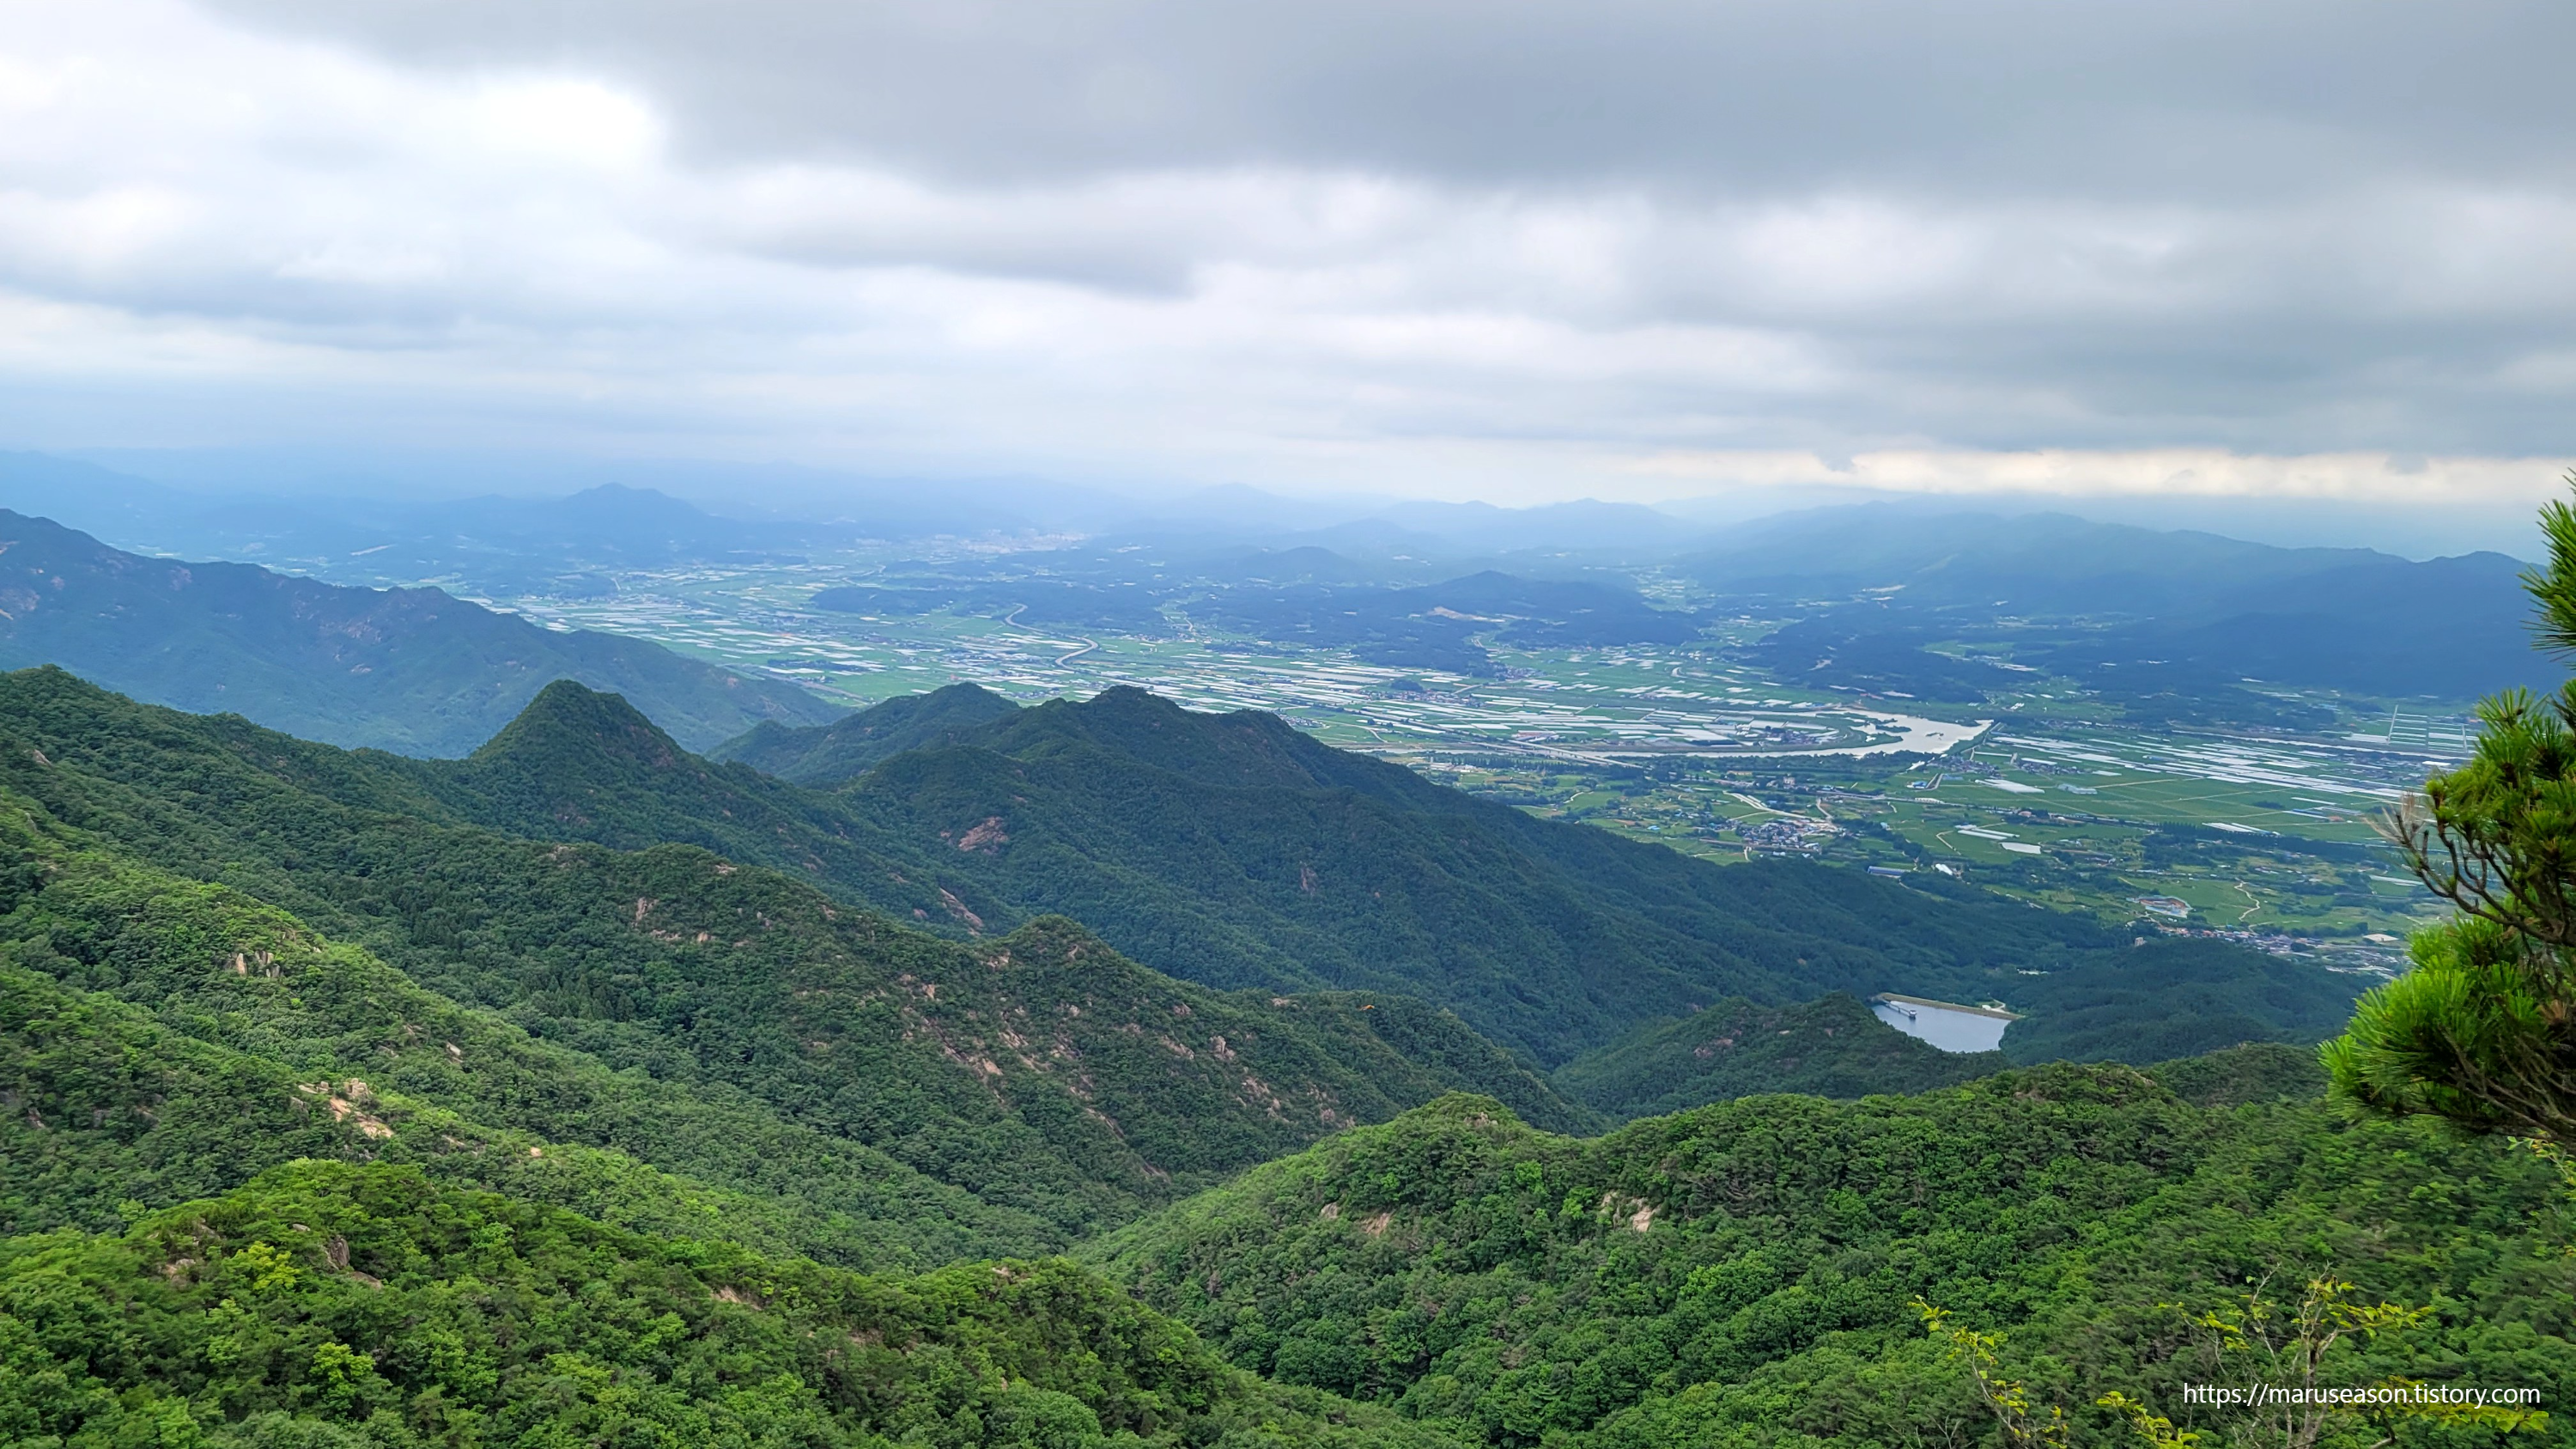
(637, 513)
(2145, 617)
(1881, 598)
(2172, 626)
(410, 670)
(564, 545)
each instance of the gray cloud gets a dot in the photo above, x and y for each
(1407, 244)
(2187, 99)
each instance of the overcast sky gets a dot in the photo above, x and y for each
(1617, 248)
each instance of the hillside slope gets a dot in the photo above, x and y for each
(131, 990)
(851, 746)
(1747, 1273)
(335, 1305)
(1038, 1071)
(115, 1107)
(1830, 1047)
(409, 670)
(1235, 850)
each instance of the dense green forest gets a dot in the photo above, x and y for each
(337, 1306)
(1748, 1274)
(414, 670)
(359, 1101)
(726, 1023)
(2161, 1001)
(1233, 849)
(598, 1167)
(852, 745)
(1227, 850)
(1830, 1047)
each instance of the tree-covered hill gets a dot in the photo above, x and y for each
(852, 745)
(727, 1023)
(125, 997)
(484, 1136)
(337, 1306)
(1747, 1274)
(1830, 1047)
(1235, 850)
(2161, 1000)
(110, 1109)
(410, 670)
(1232, 849)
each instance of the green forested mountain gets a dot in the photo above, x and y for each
(336, 1306)
(1121, 811)
(852, 745)
(1746, 1274)
(725, 1022)
(2173, 998)
(1830, 1047)
(111, 1107)
(410, 670)
(2162, 1000)
(1228, 850)
(261, 1185)
(362, 1102)
(1235, 850)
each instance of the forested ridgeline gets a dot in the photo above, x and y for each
(903, 1097)
(1755, 1273)
(1233, 850)
(340, 1306)
(1223, 849)
(1830, 1047)
(426, 1214)
(111, 1110)
(852, 745)
(346, 1107)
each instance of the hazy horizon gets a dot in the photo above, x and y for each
(792, 493)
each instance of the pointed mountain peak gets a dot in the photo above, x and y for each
(961, 703)
(567, 722)
(965, 692)
(1244, 748)
(852, 745)
(618, 499)
(1132, 701)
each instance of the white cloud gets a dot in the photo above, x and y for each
(2370, 478)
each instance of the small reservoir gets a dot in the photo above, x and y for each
(1945, 1024)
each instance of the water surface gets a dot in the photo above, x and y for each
(1945, 1024)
